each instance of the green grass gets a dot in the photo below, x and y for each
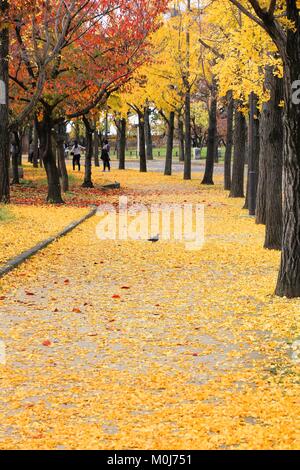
(159, 153)
(5, 214)
(73, 179)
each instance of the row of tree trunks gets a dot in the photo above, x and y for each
(4, 117)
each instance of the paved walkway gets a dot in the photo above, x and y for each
(159, 166)
(136, 345)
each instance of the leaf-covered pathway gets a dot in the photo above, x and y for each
(133, 345)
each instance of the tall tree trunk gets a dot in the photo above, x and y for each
(60, 140)
(271, 139)
(188, 137)
(181, 139)
(265, 121)
(122, 143)
(4, 132)
(273, 239)
(30, 140)
(253, 153)
(49, 161)
(148, 134)
(289, 275)
(88, 183)
(142, 143)
(170, 144)
(217, 149)
(229, 142)
(212, 135)
(15, 157)
(237, 183)
(96, 147)
(36, 155)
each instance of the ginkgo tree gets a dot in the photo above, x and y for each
(280, 19)
(162, 81)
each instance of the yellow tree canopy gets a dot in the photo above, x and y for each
(242, 50)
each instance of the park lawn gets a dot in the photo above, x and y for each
(134, 345)
(22, 227)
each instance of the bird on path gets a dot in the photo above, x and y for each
(154, 239)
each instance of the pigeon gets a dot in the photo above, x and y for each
(154, 239)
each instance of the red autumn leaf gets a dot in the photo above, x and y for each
(195, 354)
(2, 297)
(47, 343)
(29, 293)
(125, 287)
(116, 296)
(66, 281)
(76, 310)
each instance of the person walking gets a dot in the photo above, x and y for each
(76, 152)
(105, 157)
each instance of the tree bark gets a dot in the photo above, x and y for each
(60, 139)
(170, 144)
(229, 142)
(181, 139)
(148, 134)
(49, 161)
(36, 155)
(96, 147)
(212, 135)
(122, 124)
(4, 119)
(88, 183)
(30, 140)
(289, 274)
(188, 137)
(237, 183)
(142, 143)
(273, 239)
(253, 164)
(15, 157)
(265, 121)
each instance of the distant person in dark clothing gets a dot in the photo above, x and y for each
(76, 152)
(105, 157)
